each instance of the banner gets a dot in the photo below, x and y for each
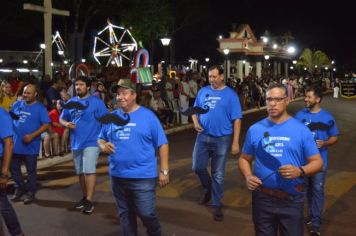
(348, 89)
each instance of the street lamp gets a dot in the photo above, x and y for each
(275, 46)
(165, 42)
(291, 49)
(266, 57)
(226, 53)
(294, 62)
(207, 59)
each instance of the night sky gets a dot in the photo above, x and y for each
(326, 25)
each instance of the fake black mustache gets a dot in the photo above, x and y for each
(14, 116)
(195, 110)
(75, 105)
(113, 119)
(317, 126)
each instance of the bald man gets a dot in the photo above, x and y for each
(32, 120)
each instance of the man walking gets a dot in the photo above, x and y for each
(79, 115)
(323, 127)
(133, 162)
(283, 151)
(31, 120)
(218, 130)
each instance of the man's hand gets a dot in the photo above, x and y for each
(252, 182)
(163, 180)
(320, 143)
(289, 172)
(235, 148)
(27, 138)
(198, 128)
(70, 125)
(108, 148)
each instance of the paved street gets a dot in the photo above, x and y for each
(52, 213)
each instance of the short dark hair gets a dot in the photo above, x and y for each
(277, 85)
(316, 90)
(217, 67)
(85, 79)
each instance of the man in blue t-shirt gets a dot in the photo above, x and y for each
(79, 115)
(6, 148)
(30, 122)
(133, 162)
(283, 151)
(325, 132)
(218, 130)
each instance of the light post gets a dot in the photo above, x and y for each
(226, 53)
(165, 42)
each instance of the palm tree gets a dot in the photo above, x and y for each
(313, 61)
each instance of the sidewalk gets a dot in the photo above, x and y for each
(48, 162)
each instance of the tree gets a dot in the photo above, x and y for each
(313, 61)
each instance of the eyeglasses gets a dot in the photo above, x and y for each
(276, 99)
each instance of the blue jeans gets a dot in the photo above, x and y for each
(9, 215)
(215, 148)
(272, 215)
(31, 167)
(136, 197)
(315, 197)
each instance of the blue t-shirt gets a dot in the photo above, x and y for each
(135, 144)
(87, 127)
(274, 145)
(32, 117)
(6, 129)
(224, 109)
(322, 125)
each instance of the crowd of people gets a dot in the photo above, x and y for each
(127, 122)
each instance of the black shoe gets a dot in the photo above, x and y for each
(315, 231)
(79, 205)
(30, 197)
(217, 213)
(205, 198)
(17, 195)
(88, 207)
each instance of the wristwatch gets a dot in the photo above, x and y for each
(165, 172)
(302, 173)
(3, 176)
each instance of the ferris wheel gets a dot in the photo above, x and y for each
(114, 45)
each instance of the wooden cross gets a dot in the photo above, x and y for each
(48, 11)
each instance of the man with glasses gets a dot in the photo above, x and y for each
(283, 152)
(323, 127)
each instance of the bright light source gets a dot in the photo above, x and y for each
(275, 46)
(42, 46)
(291, 67)
(25, 61)
(83, 60)
(316, 66)
(291, 49)
(23, 70)
(130, 48)
(244, 61)
(226, 51)
(65, 62)
(332, 62)
(204, 67)
(35, 70)
(1, 60)
(60, 52)
(264, 39)
(294, 62)
(112, 62)
(6, 70)
(305, 68)
(334, 69)
(52, 64)
(326, 68)
(162, 62)
(220, 37)
(266, 57)
(207, 59)
(165, 41)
